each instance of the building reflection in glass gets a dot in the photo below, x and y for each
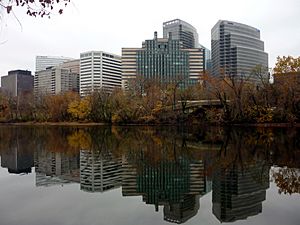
(238, 191)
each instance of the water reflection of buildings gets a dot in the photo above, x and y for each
(175, 185)
(17, 159)
(238, 192)
(55, 168)
(99, 171)
(96, 171)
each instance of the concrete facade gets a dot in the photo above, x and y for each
(99, 71)
(59, 79)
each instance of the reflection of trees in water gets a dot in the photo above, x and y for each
(279, 147)
(287, 179)
(286, 156)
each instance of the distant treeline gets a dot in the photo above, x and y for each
(151, 102)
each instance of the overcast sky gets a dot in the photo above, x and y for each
(110, 25)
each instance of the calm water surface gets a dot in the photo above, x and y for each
(149, 175)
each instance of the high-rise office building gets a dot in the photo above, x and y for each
(58, 79)
(183, 31)
(207, 58)
(17, 82)
(43, 62)
(163, 60)
(99, 70)
(237, 50)
(188, 35)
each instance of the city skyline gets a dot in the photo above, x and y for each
(79, 33)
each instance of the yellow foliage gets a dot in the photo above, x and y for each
(80, 140)
(80, 109)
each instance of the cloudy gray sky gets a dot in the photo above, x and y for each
(110, 25)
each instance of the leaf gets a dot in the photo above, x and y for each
(9, 8)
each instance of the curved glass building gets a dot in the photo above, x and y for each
(181, 31)
(237, 50)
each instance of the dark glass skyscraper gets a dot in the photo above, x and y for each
(237, 50)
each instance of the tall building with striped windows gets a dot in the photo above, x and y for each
(237, 50)
(163, 60)
(99, 71)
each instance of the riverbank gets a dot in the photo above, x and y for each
(52, 124)
(270, 125)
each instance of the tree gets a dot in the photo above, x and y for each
(57, 105)
(287, 65)
(80, 109)
(35, 8)
(287, 82)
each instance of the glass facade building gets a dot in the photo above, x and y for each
(188, 35)
(237, 50)
(163, 60)
(183, 31)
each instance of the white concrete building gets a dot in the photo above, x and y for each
(99, 70)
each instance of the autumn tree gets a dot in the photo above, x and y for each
(287, 83)
(80, 109)
(3, 107)
(57, 106)
(101, 106)
(287, 65)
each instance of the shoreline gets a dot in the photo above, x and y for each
(266, 125)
